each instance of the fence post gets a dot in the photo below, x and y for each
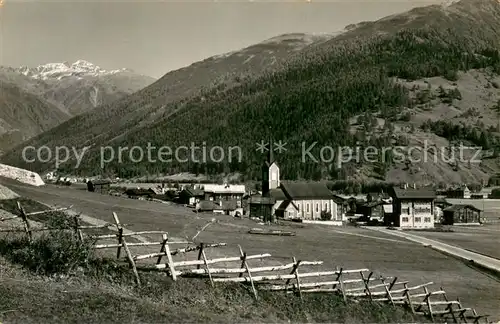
(132, 263)
(449, 307)
(341, 282)
(200, 254)
(120, 234)
(408, 297)
(427, 300)
(291, 272)
(78, 232)
(366, 282)
(244, 262)
(297, 276)
(162, 249)
(387, 290)
(207, 268)
(461, 314)
(170, 262)
(27, 226)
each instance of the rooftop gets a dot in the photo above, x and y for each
(457, 207)
(194, 192)
(307, 190)
(411, 193)
(259, 200)
(230, 189)
(101, 182)
(277, 194)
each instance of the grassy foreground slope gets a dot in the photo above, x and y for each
(59, 279)
(25, 298)
(309, 98)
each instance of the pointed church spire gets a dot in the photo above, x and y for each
(270, 155)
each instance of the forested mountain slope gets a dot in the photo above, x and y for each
(172, 92)
(23, 115)
(311, 97)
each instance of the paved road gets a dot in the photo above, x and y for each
(485, 261)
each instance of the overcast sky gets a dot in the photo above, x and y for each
(155, 37)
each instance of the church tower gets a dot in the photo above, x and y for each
(270, 172)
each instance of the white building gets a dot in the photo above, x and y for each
(413, 208)
(298, 200)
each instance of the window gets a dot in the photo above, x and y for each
(418, 219)
(317, 208)
(298, 207)
(307, 208)
(404, 219)
(427, 220)
(326, 206)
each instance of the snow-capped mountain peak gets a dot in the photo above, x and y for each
(58, 71)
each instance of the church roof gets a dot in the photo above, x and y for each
(410, 193)
(284, 205)
(306, 190)
(277, 194)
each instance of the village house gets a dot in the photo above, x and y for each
(100, 186)
(139, 193)
(461, 215)
(216, 192)
(377, 197)
(294, 200)
(262, 207)
(226, 207)
(191, 196)
(412, 208)
(373, 210)
(439, 205)
(462, 192)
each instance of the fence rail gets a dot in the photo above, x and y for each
(291, 278)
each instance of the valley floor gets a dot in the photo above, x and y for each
(347, 247)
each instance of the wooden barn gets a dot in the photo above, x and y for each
(100, 186)
(191, 196)
(461, 214)
(261, 207)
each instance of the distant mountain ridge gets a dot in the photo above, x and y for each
(78, 87)
(54, 93)
(59, 71)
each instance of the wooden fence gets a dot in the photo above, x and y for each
(297, 277)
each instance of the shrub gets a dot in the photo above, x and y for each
(56, 252)
(326, 215)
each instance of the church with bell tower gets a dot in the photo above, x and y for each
(294, 200)
(270, 174)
